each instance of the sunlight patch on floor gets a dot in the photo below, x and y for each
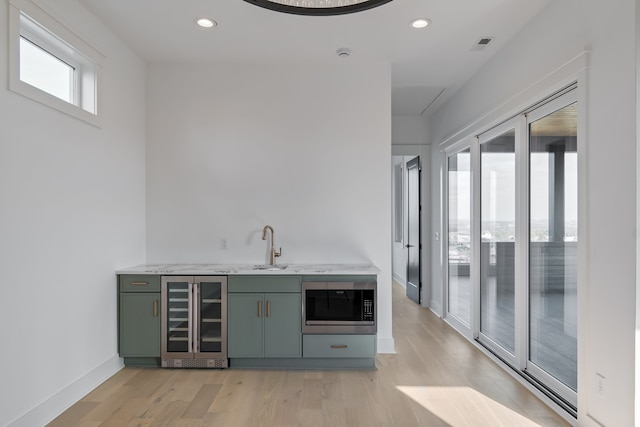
(464, 406)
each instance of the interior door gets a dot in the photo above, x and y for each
(413, 245)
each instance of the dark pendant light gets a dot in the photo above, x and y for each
(318, 7)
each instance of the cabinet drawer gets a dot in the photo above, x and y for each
(338, 345)
(272, 284)
(139, 283)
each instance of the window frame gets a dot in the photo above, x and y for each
(28, 21)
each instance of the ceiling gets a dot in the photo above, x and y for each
(427, 65)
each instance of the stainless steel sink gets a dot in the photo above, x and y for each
(269, 267)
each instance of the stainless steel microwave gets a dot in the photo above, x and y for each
(339, 307)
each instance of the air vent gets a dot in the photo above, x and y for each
(482, 43)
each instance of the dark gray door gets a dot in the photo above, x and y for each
(413, 245)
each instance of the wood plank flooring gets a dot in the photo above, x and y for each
(436, 379)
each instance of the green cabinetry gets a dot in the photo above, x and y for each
(139, 319)
(245, 325)
(264, 324)
(264, 317)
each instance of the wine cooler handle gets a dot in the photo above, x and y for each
(155, 308)
(259, 308)
(196, 318)
(190, 320)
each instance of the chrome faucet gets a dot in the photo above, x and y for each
(272, 252)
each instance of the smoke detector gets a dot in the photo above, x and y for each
(343, 52)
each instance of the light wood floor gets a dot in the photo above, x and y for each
(436, 379)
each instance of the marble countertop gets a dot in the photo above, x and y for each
(249, 269)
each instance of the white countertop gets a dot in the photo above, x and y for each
(241, 269)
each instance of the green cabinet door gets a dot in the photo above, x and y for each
(245, 322)
(282, 328)
(139, 324)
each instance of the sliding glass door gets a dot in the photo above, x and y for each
(458, 179)
(498, 239)
(553, 246)
(511, 224)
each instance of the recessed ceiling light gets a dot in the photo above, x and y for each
(420, 23)
(206, 22)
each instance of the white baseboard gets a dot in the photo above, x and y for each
(386, 345)
(436, 307)
(48, 410)
(399, 279)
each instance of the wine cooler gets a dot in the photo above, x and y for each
(194, 322)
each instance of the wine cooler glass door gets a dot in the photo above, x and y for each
(178, 317)
(211, 316)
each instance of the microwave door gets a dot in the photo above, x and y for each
(335, 306)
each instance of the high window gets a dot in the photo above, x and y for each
(50, 64)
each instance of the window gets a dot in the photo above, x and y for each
(46, 72)
(50, 64)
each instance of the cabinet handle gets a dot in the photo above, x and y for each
(139, 283)
(339, 346)
(268, 308)
(155, 308)
(259, 308)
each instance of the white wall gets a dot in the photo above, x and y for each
(304, 148)
(72, 212)
(607, 312)
(409, 130)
